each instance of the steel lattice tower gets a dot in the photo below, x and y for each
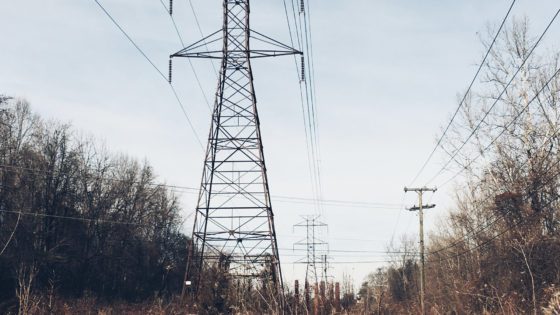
(316, 249)
(234, 222)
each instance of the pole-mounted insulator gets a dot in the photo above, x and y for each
(170, 69)
(170, 7)
(302, 69)
(302, 6)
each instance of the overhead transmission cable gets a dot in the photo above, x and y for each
(497, 217)
(193, 190)
(402, 208)
(356, 251)
(308, 82)
(35, 214)
(307, 106)
(301, 77)
(344, 262)
(306, 11)
(478, 231)
(82, 219)
(505, 128)
(179, 102)
(487, 112)
(518, 223)
(305, 95)
(201, 34)
(190, 62)
(461, 103)
(498, 136)
(493, 221)
(11, 234)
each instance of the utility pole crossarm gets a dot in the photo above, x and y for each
(420, 190)
(416, 208)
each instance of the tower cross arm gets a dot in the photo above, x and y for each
(210, 47)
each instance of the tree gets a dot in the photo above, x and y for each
(498, 247)
(84, 219)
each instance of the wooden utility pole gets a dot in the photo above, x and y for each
(420, 208)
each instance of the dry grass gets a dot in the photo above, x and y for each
(89, 305)
(553, 307)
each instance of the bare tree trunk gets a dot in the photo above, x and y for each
(25, 276)
(534, 297)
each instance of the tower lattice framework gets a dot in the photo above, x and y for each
(234, 223)
(316, 249)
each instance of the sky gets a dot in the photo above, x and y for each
(388, 78)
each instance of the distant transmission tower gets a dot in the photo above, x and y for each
(234, 231)
(316, 249)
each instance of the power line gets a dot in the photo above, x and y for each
(180, 103)
(398, 217)
(359, 239)
(193, 190)
(382, 240)
(309, 107)
(356, 251)
(479, 230)
(465, 95)
(497, 99)
(297, 27)
(190, 62)
(307, 101)
(68, 217)
(77, 218)
(346, 202)
(345, 262)
(170, 14)
(505, 128)
(186, 116)
(11, 235)
(130, 39)
(306, 11)
(313, 201)
(330, 256)
(497, 217)
(289, 27)
(201, 34)
(519, 223)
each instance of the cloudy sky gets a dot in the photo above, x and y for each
(388, 75)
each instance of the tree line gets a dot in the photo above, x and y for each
(77, 220)
(498, 251)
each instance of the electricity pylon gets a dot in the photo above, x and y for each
(234, 233)
(315, 247)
